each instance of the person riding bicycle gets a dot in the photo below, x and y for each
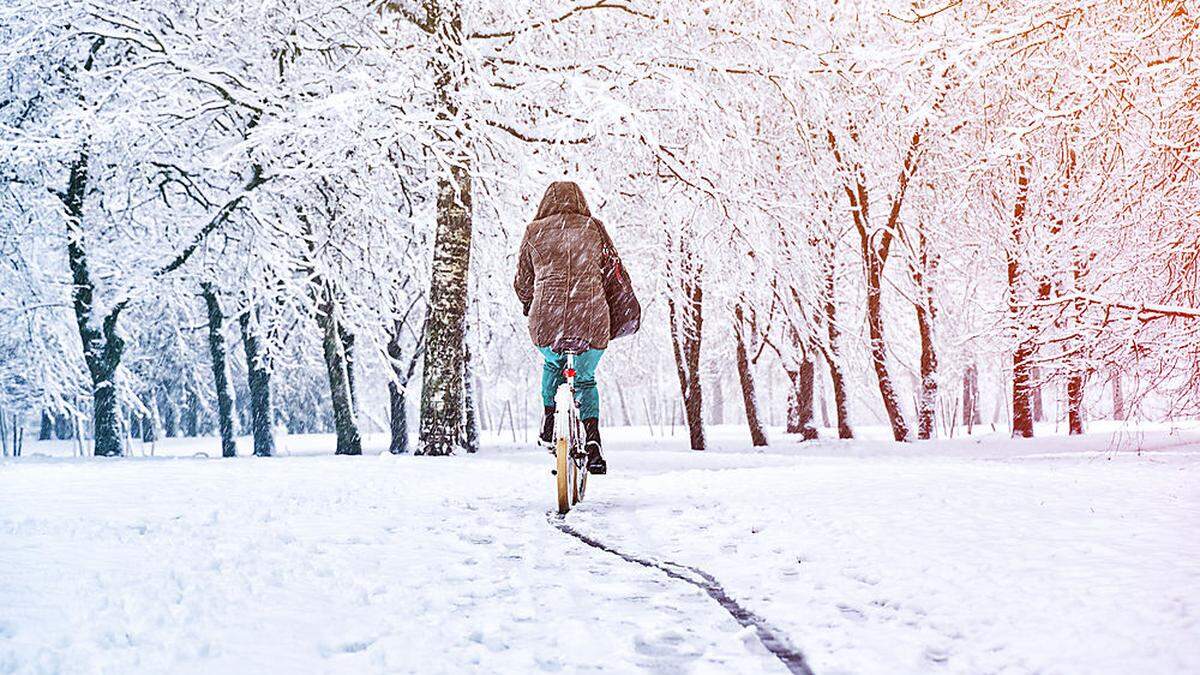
(570, 282)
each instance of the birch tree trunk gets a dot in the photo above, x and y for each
(443, 391)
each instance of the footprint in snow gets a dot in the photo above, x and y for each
(669, 644)
(852, 613)
(886, 604)
(937, 654)
(349, 647)
(861, 577)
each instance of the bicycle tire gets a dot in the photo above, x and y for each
(563, 467)
(580, 482)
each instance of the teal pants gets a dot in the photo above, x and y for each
(585, 379)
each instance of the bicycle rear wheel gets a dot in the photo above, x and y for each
(563, 468)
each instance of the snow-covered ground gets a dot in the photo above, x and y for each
(970, 556)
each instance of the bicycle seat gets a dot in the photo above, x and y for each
(570, 345)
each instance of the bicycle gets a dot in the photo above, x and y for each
(570, 468)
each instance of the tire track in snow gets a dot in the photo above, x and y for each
(775, 642)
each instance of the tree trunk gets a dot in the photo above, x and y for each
(1075, 403)
(841, 398)
(1036, 401)
(792, 418)
(1022, 413)
(191, 419)
(800, 400)
(1022, 410)
(344, 421)
(443, 390)
(398, 387)
(62, 427)
(824, 399)
(970, 398)
(220, 368)
(108, 434)
(717, 402)
(927, 398)
(166, 407)
(399, 419)
(347, 339)
(150, 423)
(103, 348)
(258, 377)
(887, 390)
(1118, 397)
(337, 344)
(47, 427)
(686, 334)
(470, 414)
(625, 419)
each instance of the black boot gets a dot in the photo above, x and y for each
(547, 437)
(591, 433)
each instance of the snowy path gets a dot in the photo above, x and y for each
(961, 562)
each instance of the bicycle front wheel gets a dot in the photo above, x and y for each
(579, 476)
